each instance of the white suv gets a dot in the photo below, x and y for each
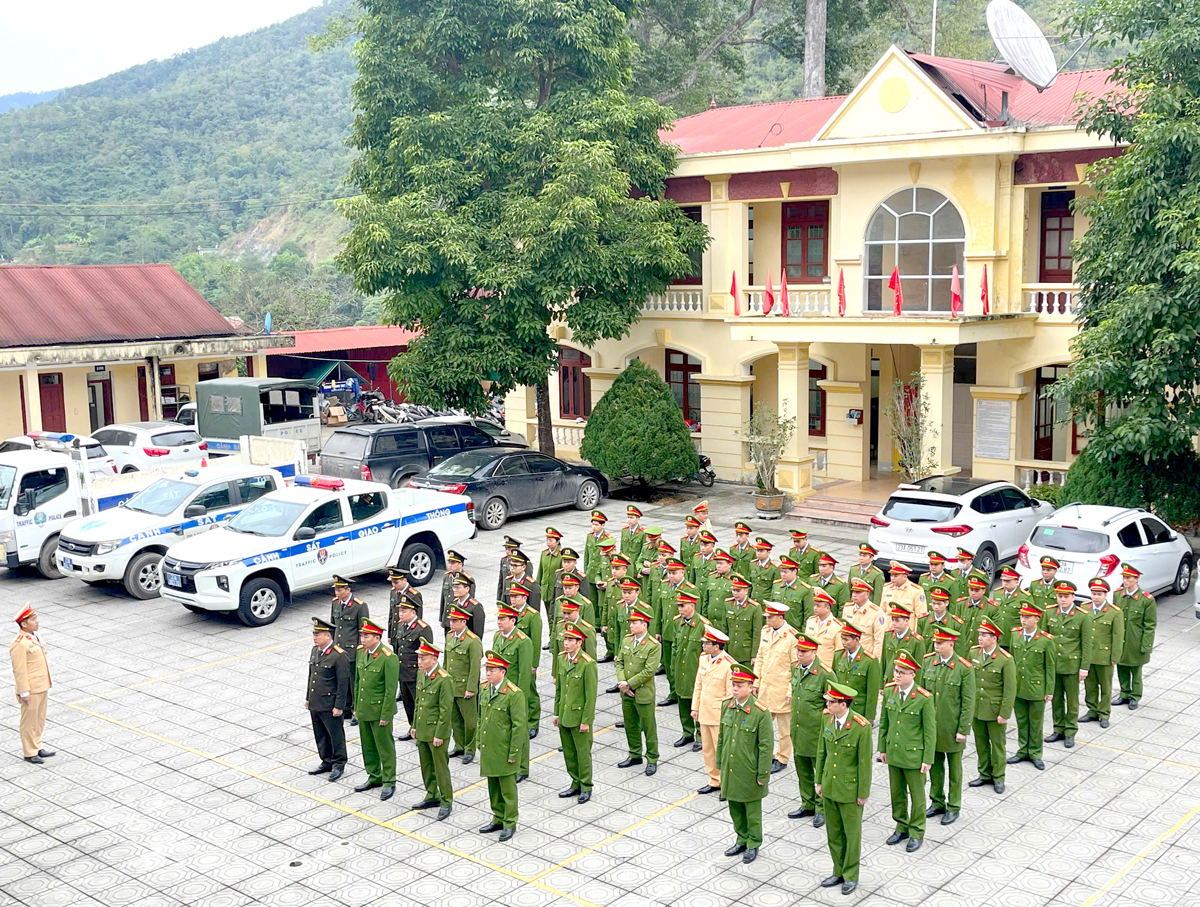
(151, 445)
(1088, 540)
(943, 513)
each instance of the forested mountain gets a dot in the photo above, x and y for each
(20, 99)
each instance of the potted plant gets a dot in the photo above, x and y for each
(768, 435)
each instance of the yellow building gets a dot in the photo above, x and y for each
(83, 346)
(929, 164)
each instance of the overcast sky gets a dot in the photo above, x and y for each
(45, 45)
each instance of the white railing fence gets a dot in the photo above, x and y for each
(801, 303)
(691, 301)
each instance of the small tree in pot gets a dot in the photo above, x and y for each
(768, 435)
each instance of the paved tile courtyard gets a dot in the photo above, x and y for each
(181, 779)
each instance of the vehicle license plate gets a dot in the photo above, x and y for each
(1066, 567)
(174, 580)
(68, 563)
(910, 549)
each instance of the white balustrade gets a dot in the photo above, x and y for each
(689, 301)
(801, 303)
(1041, 472)
(1054, 301)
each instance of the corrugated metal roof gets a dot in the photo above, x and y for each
(752, 125)
(48, 305)
(355, 338)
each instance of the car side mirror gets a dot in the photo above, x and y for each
(21, 508)
(305, 533)
(194, 510)
(506, 433)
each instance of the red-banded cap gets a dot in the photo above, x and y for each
(369, 626)
(457, 614)
(904, 660)
(495, 660)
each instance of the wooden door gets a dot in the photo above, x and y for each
(54, 408)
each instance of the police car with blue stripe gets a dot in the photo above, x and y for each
(126, 543)
(297, 538)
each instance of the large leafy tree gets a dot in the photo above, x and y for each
(1136, 375)
(509, 181)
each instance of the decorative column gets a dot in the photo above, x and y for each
(849, 439)
(937, 368)
(33, 400)
(795, 466)
(520, 412)
(724, 412)
(729, 251)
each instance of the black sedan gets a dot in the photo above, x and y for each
(503, 482)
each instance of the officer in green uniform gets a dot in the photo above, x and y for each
(348, 611)
(959, 575)
(856, 668)
(327, 698)
(689, 542)
(549, 563)
(834, 586)
(464, 652)
(435, 704)
(637, 663)
(974, 611)
(742, 551)
(995, 692)
(809, 679)
(866, 570)
(571, 618)
(843, 771)
(585, 607)
(719, 590)
(502, 738)
(763, 571)
(793, 592)
(901, 638)
(940, 615)
(1071, 628)
(907, 740)
(702, 565)
(570, 567)
(744, 746)
(743, 621)
(937, 575)
(594, 563)
(1033, 654)
(951, 679)
(633, 536)
(668, 610)
(377, 677)
(1108, 636)
(529, 622)
(1041, 591)
(575, 711)
(804, 554)
(650, 551)
(1006, 603)
(689, 636)
(608, 592)
(516, 648)
(1141, 620)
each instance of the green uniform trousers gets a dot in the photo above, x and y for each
(989, 749)
(640, 720)
(502, 793)
(463, 719)
(612, 640)
(747, 822)
(577, 753)
(806, 767)
(907, 787)
(668, 650)
(378, 751)
(435, 772)
(1030, 714)
(1098, 690)
(533, 708)
(1131, 681)
(1065, 704)
(686, 721)
(843, 831)
(949, 800)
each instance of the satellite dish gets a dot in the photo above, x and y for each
(1022, 43)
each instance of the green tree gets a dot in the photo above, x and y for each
(508, 181)
(637, 429)
(1136, 375)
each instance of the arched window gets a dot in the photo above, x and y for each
(574, 387)
(919, 232)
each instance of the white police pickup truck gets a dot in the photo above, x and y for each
(126, 543)
(297, 538)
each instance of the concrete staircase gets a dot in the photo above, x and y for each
(828, 510)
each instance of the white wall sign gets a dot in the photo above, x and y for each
(993, 429)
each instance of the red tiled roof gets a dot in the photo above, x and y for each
(752, 125)
(356, 338)
(44, 305)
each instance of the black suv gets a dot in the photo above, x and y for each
(394, 453)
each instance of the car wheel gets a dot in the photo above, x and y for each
(419, 560)
(987, 562)
(143, 578)
(47, 563)
(129, 469)
(260, 601)
(401, 481)
(495, 512)
(588, 496)
(1183, 576)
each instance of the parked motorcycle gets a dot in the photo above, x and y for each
(706, 475)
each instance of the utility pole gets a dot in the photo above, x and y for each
(933, 32)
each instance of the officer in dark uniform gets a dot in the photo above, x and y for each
(519, 575)
(401, 587)
(464, 600)
(511, 547)
(328, 698)
(454, 566)
(346, 616)
(411, 631)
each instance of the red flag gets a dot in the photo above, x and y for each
(955, 293)
(737, 309)
(783, 294)
(842, 293)
(983, 292)
(768, 295)
(894, 284)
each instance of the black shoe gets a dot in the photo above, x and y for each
(46, 754)
(558, 749)
(1069, 742)
(443, 814)
(1103, 722)
(684, 741)
(831, 881)
(667, 701)
(455, 753)
(697, 746)
(319, 770)
(546, 647)
(584, 796)
(735, 850)
(777, 766)
(1013, 760)
(533, 732)
(1054, 738)
(750, 855)
(651, 768)
(488, 829)
(660, 672)
(468, 758)
(1085, 719)
(913, 845)
(36, 760)
(607, 658)
(507, 834)
(521, 778)
(998, 786)
(425, 804)
(819, 820)
(619, 724)
(571, 792)
(368, 785)
(1120, 701)
(721, 799)
(802, 812)
(977, 782)
(949, 818)
(353, 722)
(338, 771)
(708, 789)
(613, 689)
(387, 792)
(896, 837)
(1038, 764)
(848, 887)
(1133, 703)
(630, 761)
(935, 811)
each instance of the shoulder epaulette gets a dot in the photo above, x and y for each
(966, 662)
(472, 635)
(584, 623)
(483, 683)
(422, 624)
(586, 657)
(1115, 607)
(512, 686)
(957, 618)
(729, 599)
(923, 691)
(359, 646)
(825, 711)
(1003, 652)
(760, 705)
(961, 598)
(917, 635)
(866, 653)
(521, 634)
(677, 617)
(928, 655)
(973, 648)
(387, 651)
(890, 683)
(805, 585)
(860, 719)
(1045, 634)
(339, 650)
(442, 673)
